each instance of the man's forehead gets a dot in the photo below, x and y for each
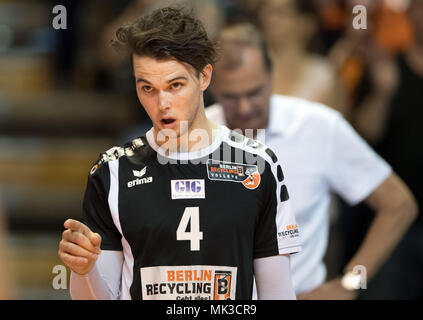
(250, 60)
(164, 68)
(248, 76)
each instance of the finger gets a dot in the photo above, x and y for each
(81, 240)
(96, 239)
(75, 250)
(78, 226)
(74, 225)
(69, 235)
(72, 261)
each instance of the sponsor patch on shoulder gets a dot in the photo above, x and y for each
(246, 174)
(289, 232)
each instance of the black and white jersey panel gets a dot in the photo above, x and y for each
(190, 224)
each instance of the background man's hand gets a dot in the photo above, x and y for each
(79, 247)
(331, 290)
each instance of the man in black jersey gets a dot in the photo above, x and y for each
(191, 210)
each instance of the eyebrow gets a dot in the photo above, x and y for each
(168, 81)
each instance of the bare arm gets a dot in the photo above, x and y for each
(273, 278)
(396, 209)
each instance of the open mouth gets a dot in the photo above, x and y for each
(167, 121)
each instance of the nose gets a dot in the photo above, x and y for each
(164, 101)
(244, 106)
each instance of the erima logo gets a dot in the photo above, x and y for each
(139, 173)
(139, 181)
(188, 189)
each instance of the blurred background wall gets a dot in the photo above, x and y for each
(66, 96)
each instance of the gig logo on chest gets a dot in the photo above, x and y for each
(188, 189)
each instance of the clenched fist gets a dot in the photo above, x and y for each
(79, 247)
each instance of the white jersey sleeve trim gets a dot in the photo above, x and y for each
(128, 263)
(284, 215)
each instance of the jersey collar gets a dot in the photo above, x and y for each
(187, 155)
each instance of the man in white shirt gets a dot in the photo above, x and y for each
(320, 153)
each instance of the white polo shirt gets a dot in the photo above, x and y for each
(320, 152)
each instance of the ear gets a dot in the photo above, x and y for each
(205, 77)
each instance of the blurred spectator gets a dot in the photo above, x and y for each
(332, 19)
(390, 116)
(107, 56)
(208, 11)
(5, 277)
(388, 31)
(288, 26)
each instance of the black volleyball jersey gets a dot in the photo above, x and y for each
(190, 224)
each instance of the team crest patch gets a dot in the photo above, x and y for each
(246, 174)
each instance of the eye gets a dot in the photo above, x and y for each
(147, 89)
(176, 85)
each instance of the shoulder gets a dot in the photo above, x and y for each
(259, 163)
(253, 149)
(302, 106)
(301, 114)
(115, 153)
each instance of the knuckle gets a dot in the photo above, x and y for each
(77, 237)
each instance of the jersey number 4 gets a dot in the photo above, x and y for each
(192, 216)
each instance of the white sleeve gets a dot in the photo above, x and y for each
(273, 278)
(354, 169)
(102, 282)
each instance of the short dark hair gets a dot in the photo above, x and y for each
(240, 35)
(168, 32)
